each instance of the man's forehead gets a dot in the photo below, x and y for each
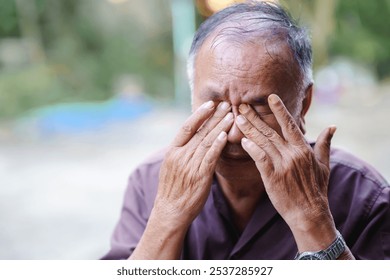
(231, 40)
(249, 30)
(251, 68)
(262, 59)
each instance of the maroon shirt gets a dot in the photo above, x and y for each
(359, 199)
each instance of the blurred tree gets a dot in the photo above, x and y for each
(8, 19)
(358, 29)
(29, 27)
(363, 33)
(86, 46)
(319, 17)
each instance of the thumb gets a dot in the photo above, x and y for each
(322, 146)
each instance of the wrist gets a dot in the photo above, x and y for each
(168, 220)
(160, 240)
(332, 252)
(314, 235)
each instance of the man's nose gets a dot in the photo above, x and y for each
(235, 135)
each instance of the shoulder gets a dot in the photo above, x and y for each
(354, 178)
(356, 187)
(350, 165)
(143, 184)
(143, 181)
(150, 167)
(359, 199)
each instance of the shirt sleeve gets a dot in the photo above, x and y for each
(374, 241)
(359, 199)
(137, 205)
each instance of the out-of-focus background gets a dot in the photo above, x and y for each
(89, 88)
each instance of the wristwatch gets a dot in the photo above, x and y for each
(331, 253)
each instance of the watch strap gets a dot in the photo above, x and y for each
(335, 249)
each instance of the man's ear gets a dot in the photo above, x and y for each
(306, 102)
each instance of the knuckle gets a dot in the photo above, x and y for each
(298, 157)
(267, 132)
(261, 157)
(263, 144)
(274, 137)
(206, 129)
(209, 161)
(202, 132)
(291, 125)
(187, 130)
(289, 162)
(251, 132)
(206, 143)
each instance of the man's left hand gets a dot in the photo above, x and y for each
(294, 174)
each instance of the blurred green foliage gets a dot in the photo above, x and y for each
(8, 19)
(363, 33)
(356, 29)
(78, 57)
(81, 47)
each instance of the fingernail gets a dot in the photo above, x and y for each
(229, 116)
(224, 105)
(243, 108)
(244, 140)
(208, 105)
(240, 119)
(222, 136)
(273, 98)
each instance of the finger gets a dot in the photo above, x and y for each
(258, 138)
(193, 123)
(290, 129)
(222, 109)
(253, 117)
(322, 146)
(207, 142)
(210, 159)
(260, 157)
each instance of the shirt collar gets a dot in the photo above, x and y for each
(262, 215)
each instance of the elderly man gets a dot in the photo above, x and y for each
(240, 181)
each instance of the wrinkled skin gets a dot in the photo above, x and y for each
(189, 165)
(294, 175)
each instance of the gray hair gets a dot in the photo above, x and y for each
(252, 18)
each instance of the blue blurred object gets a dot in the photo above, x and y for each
(81, 117)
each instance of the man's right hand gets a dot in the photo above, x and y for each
(187, 171)
(185, 181)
